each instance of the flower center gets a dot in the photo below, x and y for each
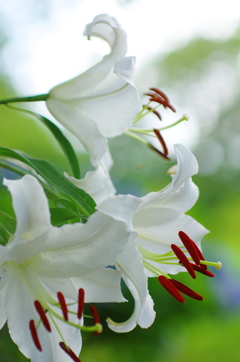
(189, 256)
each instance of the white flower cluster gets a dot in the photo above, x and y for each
(47, 272)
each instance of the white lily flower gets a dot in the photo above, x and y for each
(157, 222)
(41, 260)
(103, 101)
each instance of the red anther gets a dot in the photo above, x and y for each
(170, 287)
(95, 315)
(161, 93)
(184, 260)
(159, 100)
(63, 305)
(34, 335)
(202, 271)
(161, 140)
(185, 290)
(153, 111)
(42, 315)
(159, 152)
(190, 246)
(80, 302)
(69, 352)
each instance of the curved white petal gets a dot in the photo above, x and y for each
(120, 207)
(108, 29)
(158, 228)
(30, 207)
(181, 193)
(81, 125)
(130, 263)
(101, 286)
(76, 250)
(20, 310)
(96, 183)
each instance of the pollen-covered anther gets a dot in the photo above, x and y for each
(69, 352)
(34, 335)
(183, 260)
(171, 288)
(159, 152)
(187, 291)
(42, 315)
(96, 319)
(190, 246)
(63, 305)
(160, 97)
(80, 303)
(162, 142)
(199, 269)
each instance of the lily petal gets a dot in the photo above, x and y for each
(130, 263)
(30, 207)
(101, 286)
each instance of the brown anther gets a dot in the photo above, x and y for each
(34, 335)
(80, 303)
(161, 140)
(185, 290)
(95, 315)
(63, 305)
(42, 315)
(159, 100)
(190, 246)
(183, 260)
(199, 269)
(161, 93)
(159, 152)
(203, 266)
(69, 352)
(170, 287)
(153, 111)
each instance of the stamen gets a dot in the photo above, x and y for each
(159, 152)
(168, 285)
(185, 290)
(184, 260)
(161, 93)
(203, 266)
(161, 140)
(202, 271)
(63, 305)
(42, 315)
(190, 246)
(80, 303)
(96, 318)
(34, 335)
(69, 352)
(153, 111)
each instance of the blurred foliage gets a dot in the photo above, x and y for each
(202, 77)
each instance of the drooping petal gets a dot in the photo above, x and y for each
(130, 263)
(81, 125)
(101, 286)
(181, 193)
(107, 28)
(30, 207)
(20, 310)
(76, 250)
(96, 183)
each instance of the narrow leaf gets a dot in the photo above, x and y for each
(61, 139)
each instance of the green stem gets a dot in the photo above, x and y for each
(38, 98)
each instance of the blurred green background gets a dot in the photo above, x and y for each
(201, 77)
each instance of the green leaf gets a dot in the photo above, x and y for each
(62, 140)
(84, 203)
(61, 215)
(4, 233)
